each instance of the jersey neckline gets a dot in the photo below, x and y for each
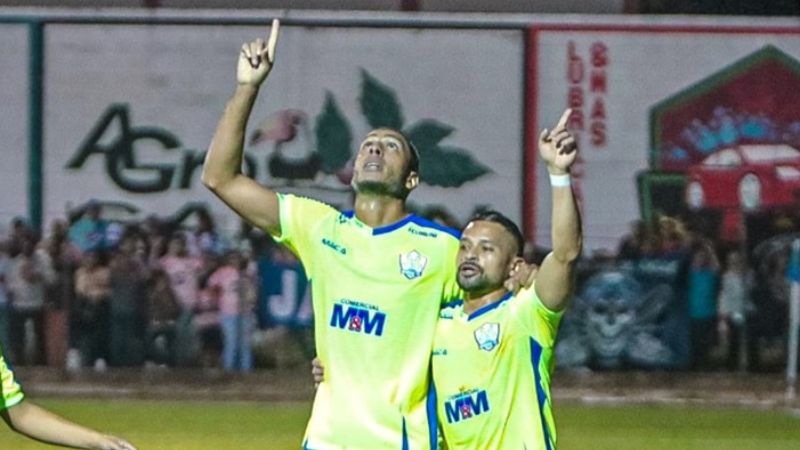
(411, 218)
(483, 309)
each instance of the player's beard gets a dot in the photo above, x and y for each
(380, 188)
(476, 284)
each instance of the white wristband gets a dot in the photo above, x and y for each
(560, 180)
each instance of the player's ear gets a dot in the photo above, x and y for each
(412, 181)
(517, 267)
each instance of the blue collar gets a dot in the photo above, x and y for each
(486, 308)
(351, 214)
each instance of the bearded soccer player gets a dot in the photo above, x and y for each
(378, 274)
(493, 352)
(34, 422)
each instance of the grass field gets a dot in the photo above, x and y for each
(224, 426)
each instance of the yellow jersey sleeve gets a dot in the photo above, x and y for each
(10, 391)
(299, 218)
(452, 291)
(535, 318)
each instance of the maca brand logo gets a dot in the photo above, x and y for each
(358, 318)
(466, 405)
(338, 248)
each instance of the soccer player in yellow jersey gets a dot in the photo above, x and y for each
(379, 276)
(493, 352)
(36, 423)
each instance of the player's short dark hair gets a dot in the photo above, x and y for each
(413, 162)
(505, 222)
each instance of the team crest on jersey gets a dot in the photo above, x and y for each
(488, 336)
(412, 264)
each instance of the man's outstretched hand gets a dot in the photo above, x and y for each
(106, 442)
(257, 57)
(558, 147)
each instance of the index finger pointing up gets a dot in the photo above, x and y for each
(273, 38)
(562, 122)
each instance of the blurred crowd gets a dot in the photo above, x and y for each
(97, 293)
(737, 297)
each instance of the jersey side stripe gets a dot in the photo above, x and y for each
(405, 435)
(433, 421)
(536, 357)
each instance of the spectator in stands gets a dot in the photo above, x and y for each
(204, 239)
(20, 233)
(61, 258)
(206, 320)
(734, 306)
(673, 236)
(235, 293)
(91, 321)
(89, 232)
(184, 272)
(128, 284)
(163, 312)
(651, 245)
(28, 279)
(630, 248)
(703, 283)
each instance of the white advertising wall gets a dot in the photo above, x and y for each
(615, 75)
(161, 90)
(14, 122)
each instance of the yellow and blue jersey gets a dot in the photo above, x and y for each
(376, 296)
(10, 391)
(491, 374)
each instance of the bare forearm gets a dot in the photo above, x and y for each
(224, 160)
(37, 423)
(566, 225)
(555, 280)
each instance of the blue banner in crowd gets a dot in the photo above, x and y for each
(285, 294)
(628, 315)
(793, 270)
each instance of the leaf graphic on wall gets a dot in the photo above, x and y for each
(444, 166)
(448, 166)
(334, 137)
(379, 103)
(427, 133)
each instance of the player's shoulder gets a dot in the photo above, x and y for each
(299, 204)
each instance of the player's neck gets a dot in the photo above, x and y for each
(378, 211)
(474, 302)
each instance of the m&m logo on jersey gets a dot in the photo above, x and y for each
(412, 264)
(358, 318)
(466, 405)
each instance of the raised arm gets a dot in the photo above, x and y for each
(41, 425)
(222, 171)
(555, 278)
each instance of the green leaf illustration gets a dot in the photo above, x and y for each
(334, 138)
(448, 166)
(379, 103)
(428, 133)
(444, 166)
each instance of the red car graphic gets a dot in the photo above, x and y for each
(746, 177)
